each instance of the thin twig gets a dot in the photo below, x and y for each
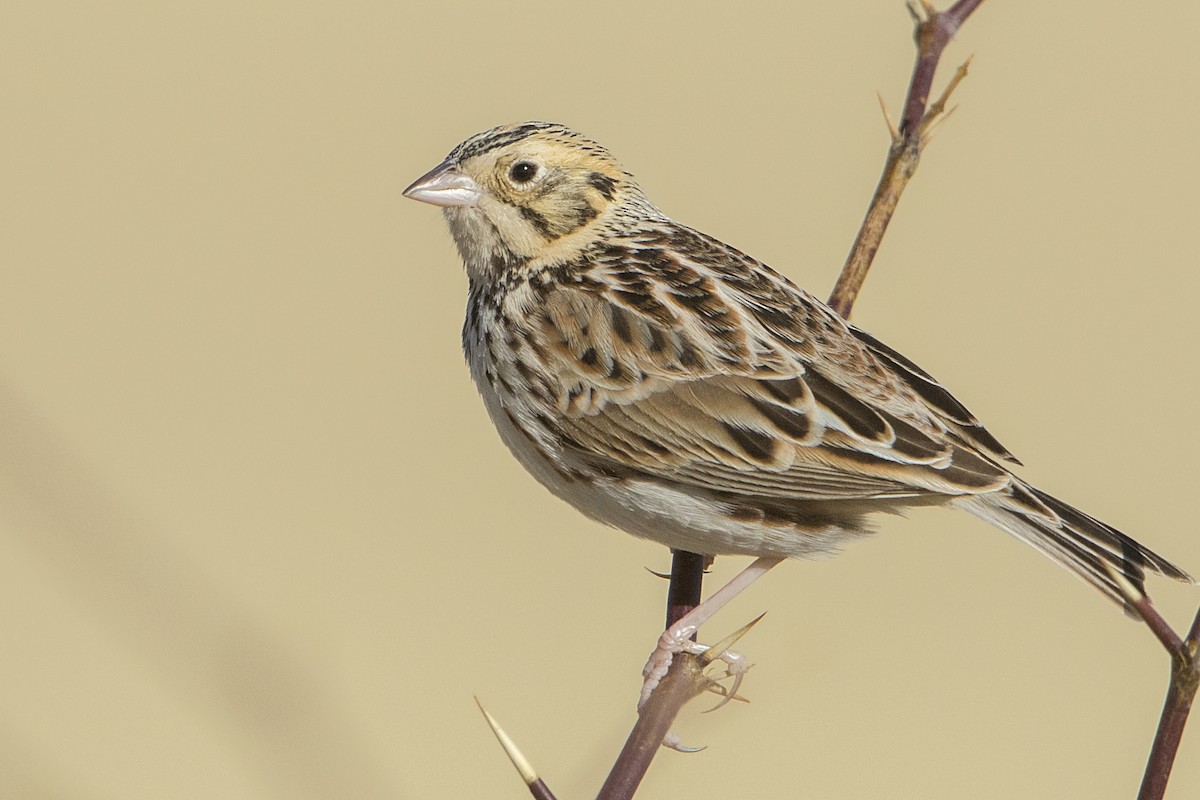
(1181, 692)
(655, 718)
(662, 706)
(934, 30)
(1176, 707)
(680, 685)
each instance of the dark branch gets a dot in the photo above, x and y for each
(933, 32)
(687, 579)
(654, 722)
(540, 791)
(1181, 692)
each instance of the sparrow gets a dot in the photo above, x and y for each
(667, 384)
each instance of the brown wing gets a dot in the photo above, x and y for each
(954, 413)
(733, 380)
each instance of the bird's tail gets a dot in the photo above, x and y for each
(1082, 544)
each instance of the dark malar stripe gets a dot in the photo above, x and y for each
(584, 213)
(538, 221)
(603, 184)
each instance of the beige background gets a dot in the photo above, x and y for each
(258, 539)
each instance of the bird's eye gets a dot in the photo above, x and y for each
(523, 171)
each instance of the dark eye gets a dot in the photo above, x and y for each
(523, 171)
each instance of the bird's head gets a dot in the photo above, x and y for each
(534, 191)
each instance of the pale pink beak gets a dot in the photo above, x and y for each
(445, 186)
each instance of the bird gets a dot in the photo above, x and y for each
(665, 383)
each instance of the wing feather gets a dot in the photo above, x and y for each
(936, 395)
(731, 380)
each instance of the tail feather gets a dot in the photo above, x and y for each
(1077, 541)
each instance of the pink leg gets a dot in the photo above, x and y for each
(677, 638)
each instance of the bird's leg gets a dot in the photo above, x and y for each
(678, 637)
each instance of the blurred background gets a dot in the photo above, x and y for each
(259, 540)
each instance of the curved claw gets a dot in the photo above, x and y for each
(731, 694)
(671, 741)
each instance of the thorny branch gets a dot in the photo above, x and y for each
(934, 30)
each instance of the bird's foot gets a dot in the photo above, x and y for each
(678, 639)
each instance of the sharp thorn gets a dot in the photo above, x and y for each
(722, 647)
(893, 131)
(933, 124)
(524, 768)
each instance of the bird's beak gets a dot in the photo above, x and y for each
(445, 186)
